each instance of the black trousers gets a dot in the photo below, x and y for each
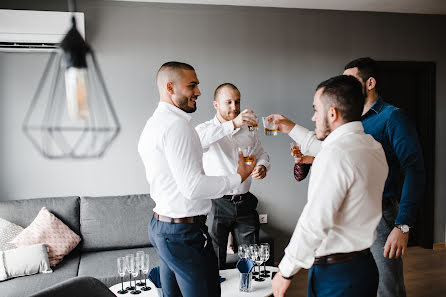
(236, 216)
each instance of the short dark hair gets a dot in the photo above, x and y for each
(343, 92)
(367, 67)
(176, 66)
(218, 89)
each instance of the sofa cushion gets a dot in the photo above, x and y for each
(23, 261)
(103, 265)
(8, 231)
(115, 222)
(23, 212)
(48, 229)
(28, 285)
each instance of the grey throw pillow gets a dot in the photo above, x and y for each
(25, 260)
(8, 231)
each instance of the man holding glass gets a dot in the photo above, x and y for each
(392, 127)
(221, 138)
(338, 224)
(172, 155)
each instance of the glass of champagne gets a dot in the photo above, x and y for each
(122, 267)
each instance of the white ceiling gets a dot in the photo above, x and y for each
(398, 6)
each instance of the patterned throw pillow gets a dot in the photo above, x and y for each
(8, 231)
(49, 230)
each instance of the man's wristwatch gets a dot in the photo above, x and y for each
(403, 228)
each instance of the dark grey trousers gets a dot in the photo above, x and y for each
(238, 217)
(391, 278)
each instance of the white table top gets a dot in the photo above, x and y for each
(229, 288)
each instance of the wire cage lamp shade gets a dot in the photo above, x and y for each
(71, 114)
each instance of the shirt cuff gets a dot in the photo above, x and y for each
(298, 133)
(234, 181)
(287, 268)
(228, 127)
(264, 163)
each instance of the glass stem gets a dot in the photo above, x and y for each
(122, 283)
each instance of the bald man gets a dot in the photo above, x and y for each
(172, 155)
(235, 212)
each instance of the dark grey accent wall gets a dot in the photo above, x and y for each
(275, 56)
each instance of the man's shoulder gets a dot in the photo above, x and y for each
(206, 124)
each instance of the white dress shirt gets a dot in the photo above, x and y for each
(172, 155)
(220, 142)
(344, 199)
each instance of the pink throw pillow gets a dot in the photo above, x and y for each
(49, 230)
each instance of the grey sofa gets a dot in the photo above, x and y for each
(110, 227)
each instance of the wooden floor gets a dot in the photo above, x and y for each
(424, 274)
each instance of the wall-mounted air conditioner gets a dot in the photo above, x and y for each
(29, 30)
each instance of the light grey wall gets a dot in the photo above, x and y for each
(275, 56)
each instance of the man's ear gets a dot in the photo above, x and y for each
(169, 88)
(332, 114)
(371, 83)
(215, 103)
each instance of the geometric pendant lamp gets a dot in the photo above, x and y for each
(71, 114)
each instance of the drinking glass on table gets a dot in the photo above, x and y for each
(135, 274)
(267, 251)
(130, 259)
(145, 269)
(140, 254)
(243, 251)
(122, 267)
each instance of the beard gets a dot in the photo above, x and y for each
(229, 116)
(184, 106)
(324, 130)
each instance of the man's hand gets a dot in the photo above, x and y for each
(396, 244)
(284, 124)
(259, 172)
(244, 118)
(280, 285)
(243, 169)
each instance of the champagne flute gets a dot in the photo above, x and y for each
(135, 274)
(140, 254)
(130, 259)
(145, 269)
(122, 267)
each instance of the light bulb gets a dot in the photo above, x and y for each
(76, 90)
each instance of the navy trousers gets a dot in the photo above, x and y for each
(355, 278)
(188, 264)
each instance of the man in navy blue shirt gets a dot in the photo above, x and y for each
(391, 127)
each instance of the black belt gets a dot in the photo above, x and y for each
(339, 258)
(187, 220)
(235, 198)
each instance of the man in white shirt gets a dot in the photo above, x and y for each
(172, 155)
(338, 224)
(220, 138)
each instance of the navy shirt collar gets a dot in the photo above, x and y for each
(376, 107)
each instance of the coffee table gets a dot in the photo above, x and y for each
(229, 288)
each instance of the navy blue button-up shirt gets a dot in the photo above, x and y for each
(392, 127)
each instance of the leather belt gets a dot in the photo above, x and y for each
(339, 258)
(235, 198)
(187, 220)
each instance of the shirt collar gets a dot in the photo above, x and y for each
(169, 107)
(378, 105)
(342, 130)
